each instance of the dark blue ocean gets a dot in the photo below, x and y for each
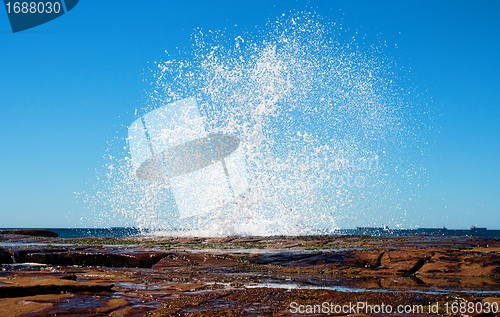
(124, 232)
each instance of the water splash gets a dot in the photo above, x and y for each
(322, 120)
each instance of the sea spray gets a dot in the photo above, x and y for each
(321, 119)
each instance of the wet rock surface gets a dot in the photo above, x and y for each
(31, 232)
(254, 276)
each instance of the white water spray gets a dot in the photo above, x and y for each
(319, 118)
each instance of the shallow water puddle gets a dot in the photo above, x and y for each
(290, 286)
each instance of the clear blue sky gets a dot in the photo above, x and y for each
(68, 84)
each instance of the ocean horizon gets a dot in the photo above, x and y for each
(120, 232)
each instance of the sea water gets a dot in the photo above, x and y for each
(117, 232)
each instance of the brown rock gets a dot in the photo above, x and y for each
(282, 257)
(5, 257)
(32, 232)
(113, 304)
(404, 262)
(25, 286)
(99, 257)
(321, 261)
(370, 259)
(22, 306)
(492, 300)
(20, 254)
(199, 259)
(57, 258)
(117, 258)
(442, 263)
(462, 264)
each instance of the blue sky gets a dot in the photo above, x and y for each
(68, 85)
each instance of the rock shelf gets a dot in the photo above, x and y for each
(244, 276)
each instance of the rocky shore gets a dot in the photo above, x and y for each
(43, 275)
